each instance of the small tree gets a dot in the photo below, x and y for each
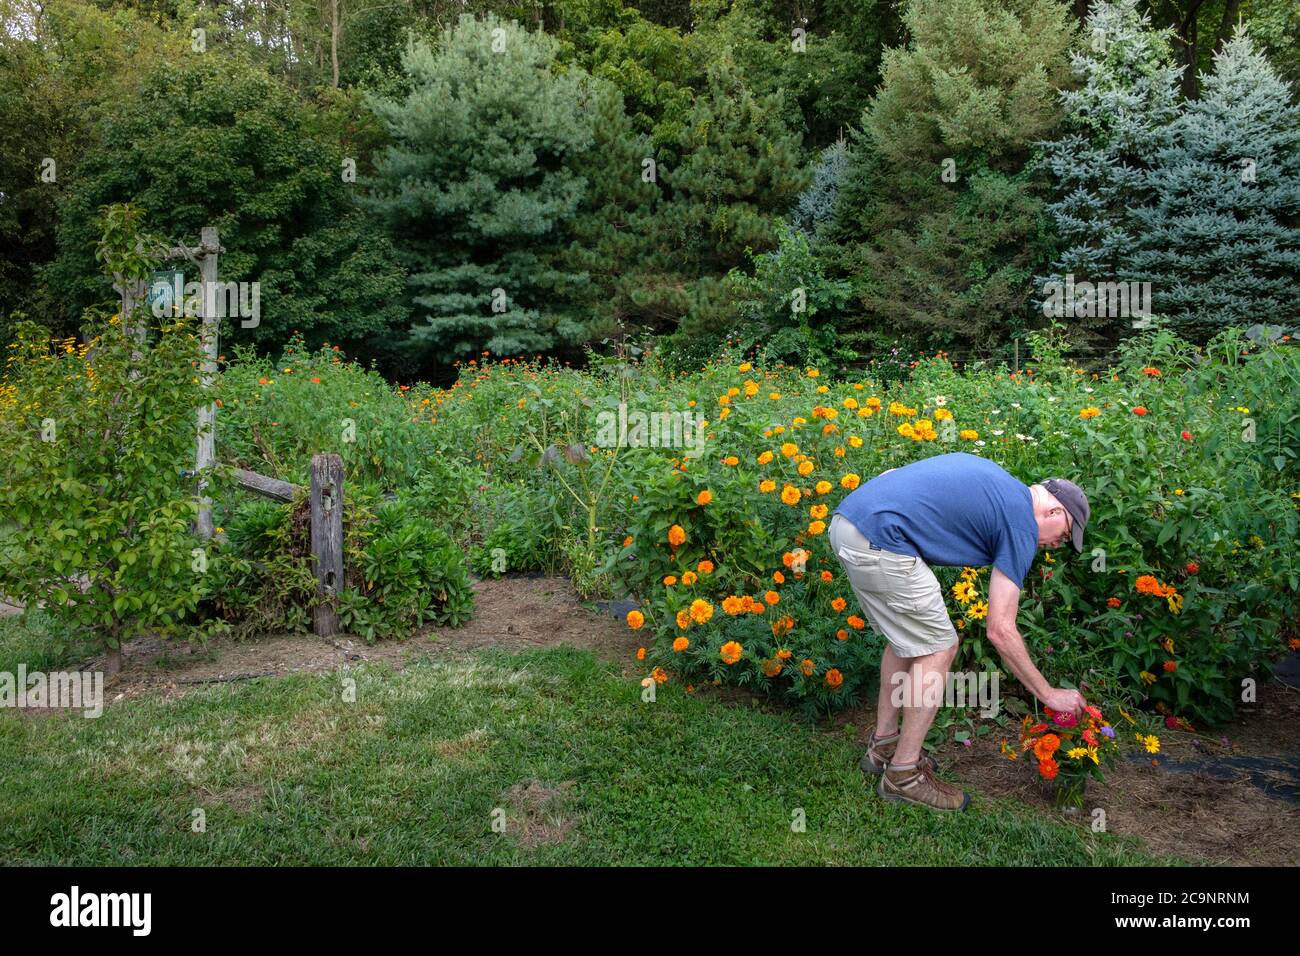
(96, 508)
(1220, 245)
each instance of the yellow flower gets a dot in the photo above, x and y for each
(805, 468)
(767, 486)
(978, 611)
(818, 511)
(789, 449)
(942, 414)
(701, 611)
(745, 367)
(1147, 677)
(850, 481)
(731, 652)
(823, 487)
(969, 434)
(963, 591)
(1074, 753)
(813, 373)
(765, 457)
(905, 430)
(817, 527)
(969, 574)
(790, 495)
(1087, 413)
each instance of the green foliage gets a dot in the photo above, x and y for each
(939, 223)
(407, 574)
(1220, 241)
(96, 510)
(789, 307)
(478, 188)
(217, 121)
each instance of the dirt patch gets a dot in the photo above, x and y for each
(242, 799)
(512, 612)
(516, 613)
(474, 741)
(537, 818)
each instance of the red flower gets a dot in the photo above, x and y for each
(1171, 666)
(1139, 409)
(1187, 436)
(1192, 567)
(1048, 768)
(1171, 722)
(1113, 602)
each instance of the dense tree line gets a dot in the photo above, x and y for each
(421, 180)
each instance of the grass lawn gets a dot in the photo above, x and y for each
(552, 742)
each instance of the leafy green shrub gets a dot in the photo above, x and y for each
(407, 574)
(96, 508)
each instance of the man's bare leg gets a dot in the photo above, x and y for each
(917, 717)
(886, 711)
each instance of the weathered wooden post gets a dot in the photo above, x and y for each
(327, 540)
(205, 454)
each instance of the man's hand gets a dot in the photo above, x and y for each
(1063, 699)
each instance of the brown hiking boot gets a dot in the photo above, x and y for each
(918, 784)
(881, 749)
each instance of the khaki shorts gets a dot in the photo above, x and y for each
(898, 593)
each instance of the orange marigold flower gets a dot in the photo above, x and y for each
(790, 495)
(834, 678)
(689, 578)
(704, 497)
(764, 458)
(822, 488)
(705, 566)
(807, 667)
(784, 654)
(771, 668)
(767, 486)
(789, 449)
(841, 635)
(839, 604)
(676, 535)
(733, 606)
(635, 619)
(659, 674)
(778, 577)
(627, 542)
(817, 527)
(683, 620)
(680, 644)
(701, 611)
(731, 652)
(640, 653)
(850, 481)
(670, 580)
(827, 576)
(856, 622)
(771, 597)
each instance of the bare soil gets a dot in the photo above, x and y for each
(1198, 817)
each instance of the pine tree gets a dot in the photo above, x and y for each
(1117, 123)
(939, 224)
(1221, 243)
(740, 170)
(612, 238)
(479, 187)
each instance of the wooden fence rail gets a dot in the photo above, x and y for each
(326, 529)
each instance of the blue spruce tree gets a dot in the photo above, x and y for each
(1221, 243)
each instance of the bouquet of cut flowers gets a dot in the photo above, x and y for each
(1068, 750)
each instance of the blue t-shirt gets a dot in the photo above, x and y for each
(952, 510)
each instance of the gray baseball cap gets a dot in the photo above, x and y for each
(1074, 501)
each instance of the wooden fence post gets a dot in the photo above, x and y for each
(205, 453)
(327, 540)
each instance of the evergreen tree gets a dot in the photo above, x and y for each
(479, 187)
(939, 224)
(740, 170)
(1221, 242)
(816, 205)
(613, 234)
(1117, 123)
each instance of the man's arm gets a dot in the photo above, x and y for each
(1004, 600)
